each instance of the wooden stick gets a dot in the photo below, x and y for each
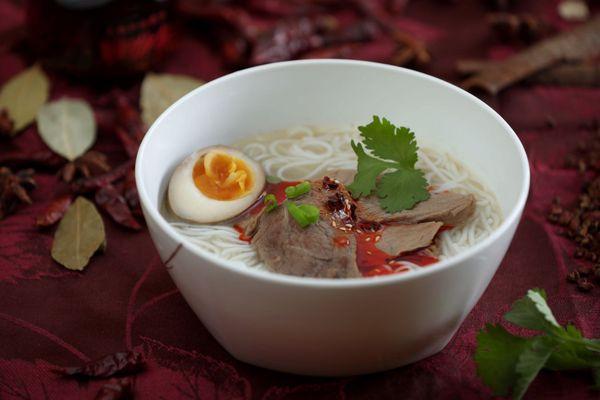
(578, 44)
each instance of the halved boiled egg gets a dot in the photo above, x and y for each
(214, 184)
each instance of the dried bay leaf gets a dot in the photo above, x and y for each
(159, 91)
(23, 95)
(79, 235)
(67, 126)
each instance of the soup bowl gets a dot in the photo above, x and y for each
(332, 327)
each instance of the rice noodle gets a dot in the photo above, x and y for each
(306, 153)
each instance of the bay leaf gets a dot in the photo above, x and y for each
(23, 95)
(79, 235)
(67, 126)
(159, 91)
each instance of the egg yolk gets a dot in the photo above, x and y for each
(222, 176)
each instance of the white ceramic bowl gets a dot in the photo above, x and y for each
(326, 326)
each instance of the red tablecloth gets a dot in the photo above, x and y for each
(125, 298)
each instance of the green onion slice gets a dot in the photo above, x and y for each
(304, 214)
(270, 202)
(291, 192)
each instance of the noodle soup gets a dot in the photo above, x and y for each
(307, 153)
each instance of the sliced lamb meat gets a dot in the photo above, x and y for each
(398, 239)
(287, 248)
(447, 207)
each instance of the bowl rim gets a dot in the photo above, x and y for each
(290, 280)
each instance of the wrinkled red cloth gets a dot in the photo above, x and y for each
(125, 299)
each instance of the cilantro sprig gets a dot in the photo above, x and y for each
(393, 150)
(508, 363)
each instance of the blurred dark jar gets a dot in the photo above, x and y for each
(99, 37)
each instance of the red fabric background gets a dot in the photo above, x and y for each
(125, 298)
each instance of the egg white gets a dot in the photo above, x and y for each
(188, 202)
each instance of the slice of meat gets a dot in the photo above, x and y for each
(287, 248)
(447, 207)
(398, 239)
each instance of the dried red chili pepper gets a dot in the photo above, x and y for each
(291, 37)
(116, 389)
(14, 188)
(121, 363)
(6, 124)
(99, 181)
(236, 17)
(131, 194)
(55, 211)
(109, 199)
(41, 159)
(130, 145)
(374, 11)
(233, 47)
(281, 8)
(128, 117)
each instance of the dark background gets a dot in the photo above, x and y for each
(125, 298)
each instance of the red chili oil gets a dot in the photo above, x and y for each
(243, 236)
(372, 261)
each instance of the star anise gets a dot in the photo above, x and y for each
(6, 123)
(90, 164)
(14, 188)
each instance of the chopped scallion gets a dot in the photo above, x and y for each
(291, 192)
(270, 202)
(304, 214)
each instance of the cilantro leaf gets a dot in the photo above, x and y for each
(496, 356)
(402, 189)
(393, 153)
(531, 360)
(369, 169)
(389, 142)
(532, 312)
(575, 351)
(505, 361)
